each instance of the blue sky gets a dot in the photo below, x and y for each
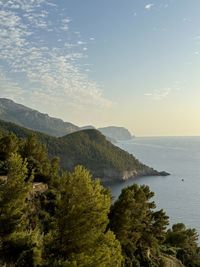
(109, 62)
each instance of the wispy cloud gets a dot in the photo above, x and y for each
(9, 88)
(33, 67)
(161, 94)
(149, 6)
(157, 6)
(65, 24)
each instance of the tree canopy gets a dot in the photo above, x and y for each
(71, 220)
(137, 226)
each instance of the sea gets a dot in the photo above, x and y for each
(179, 193)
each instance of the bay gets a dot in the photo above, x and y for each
(179, 193)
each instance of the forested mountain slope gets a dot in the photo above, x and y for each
(89, 148)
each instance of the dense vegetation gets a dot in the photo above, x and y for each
(89, 148)
(73, 221)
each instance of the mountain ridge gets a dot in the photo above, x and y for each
(33, 119)
(42, 122)
(90, 149)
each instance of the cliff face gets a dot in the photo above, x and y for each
(116, 133)
(113, 175)
(33, 119)
(116, 175)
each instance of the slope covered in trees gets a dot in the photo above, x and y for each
(89, 148)
(73, 223)
(66, 227)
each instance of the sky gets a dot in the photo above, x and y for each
(130, 63)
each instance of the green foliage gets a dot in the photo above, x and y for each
(79, 236)
(8, 144)
(72, 223)
(139, 229)
(88, 148)
(18, 244)
(37, 158)
(14, 193)
(159, 222)
(91, 149)
(34, 152)
(185, 241)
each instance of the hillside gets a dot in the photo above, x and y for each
(33, 119)
(89, 148)
(116, 133)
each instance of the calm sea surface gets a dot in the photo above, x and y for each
(179, 156)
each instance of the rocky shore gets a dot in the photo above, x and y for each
(114, 176)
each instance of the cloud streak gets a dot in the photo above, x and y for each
(149, 6)
(32, 67)
(161, 94)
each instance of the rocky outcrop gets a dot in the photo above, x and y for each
(113, 175)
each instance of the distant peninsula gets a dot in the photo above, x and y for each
(116, 133)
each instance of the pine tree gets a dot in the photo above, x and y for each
(185, 242)
(18, 242)
(8, 144)
(37, 158)
(134, 222)
(80, 237)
